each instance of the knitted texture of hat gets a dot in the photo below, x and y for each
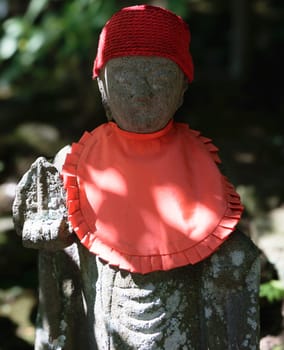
(145, 30)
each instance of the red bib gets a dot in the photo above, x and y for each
(147, 202)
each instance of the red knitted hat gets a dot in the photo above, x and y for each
(145, 30)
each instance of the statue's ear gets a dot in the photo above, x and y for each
(185, 84)
(183, 90)
(102, 88)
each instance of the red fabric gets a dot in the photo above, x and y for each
(147, 202)
(145, 30)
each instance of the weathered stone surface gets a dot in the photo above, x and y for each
(62, 322)
(87, 304)
(212, 305)
(138, 91)
(39, 209)
(230, 280)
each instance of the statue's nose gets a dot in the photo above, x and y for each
(141, 87)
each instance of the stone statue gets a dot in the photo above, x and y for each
(135, 225)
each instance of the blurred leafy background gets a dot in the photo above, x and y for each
(47, 99)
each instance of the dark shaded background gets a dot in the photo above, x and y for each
(47, 99)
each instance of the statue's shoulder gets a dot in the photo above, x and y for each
(60, 157)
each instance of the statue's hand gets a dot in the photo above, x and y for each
(39, 209)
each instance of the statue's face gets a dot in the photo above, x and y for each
(142, 93)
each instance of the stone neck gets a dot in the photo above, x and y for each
(142, 136)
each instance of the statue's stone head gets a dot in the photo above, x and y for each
(143, 66)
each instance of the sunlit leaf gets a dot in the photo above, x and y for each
(27, 58)
(35, 8)
(8, 46)
(14, 27)
(272, 290)
(35, 42)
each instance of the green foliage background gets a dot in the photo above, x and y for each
(47, 48)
